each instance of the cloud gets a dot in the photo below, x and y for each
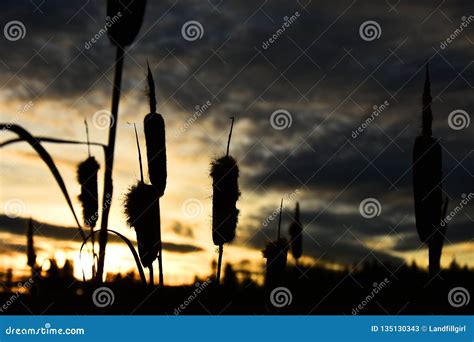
(17, 226)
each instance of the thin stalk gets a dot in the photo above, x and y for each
(279, 220)
(139, 154)
(109, 162)
(219, 263)
(230, 135)
(92, 229)
(87, 138)
(160, 263)
(152, 277)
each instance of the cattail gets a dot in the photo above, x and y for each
(276, 253)
(225, 193)
(142, 209)
(155, 141)
(296, 235)
(154, 126)
(30, 247)
(87, 177)
(125, 18)
(427, 184)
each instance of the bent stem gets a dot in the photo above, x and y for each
(109, 162)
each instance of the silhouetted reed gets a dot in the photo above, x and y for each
(276, 253)
(296, 235)
(225, 193)
(427, 184)
(142, 210)
(30, 247)
(121, 34)
(155, 137)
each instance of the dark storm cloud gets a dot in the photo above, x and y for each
(17, 226)
(330, 90)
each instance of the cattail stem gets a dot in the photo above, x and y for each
(279, 220)
(109, 162)
(139, 153)
(230, 136)
(87, 138)
(160, 265)
(152, 277)
(219, 263)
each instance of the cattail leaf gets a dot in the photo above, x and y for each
(130, 246)
(30, 247)
(53, 140)
(44, 155)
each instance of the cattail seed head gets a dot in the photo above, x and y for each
(125, 20)
(427, 174)
(225, 189)
(296, 234)
(155, 136)
(142, 209)
(30, 247)
(276, 253)
(87, 177)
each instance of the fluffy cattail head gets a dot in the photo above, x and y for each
(225, 189)
(125, 18)
(87, 177)
(142, 209)
(276, 253)
(30, 248)
(296, 234)
(155, 141)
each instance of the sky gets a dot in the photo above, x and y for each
(326, 113)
